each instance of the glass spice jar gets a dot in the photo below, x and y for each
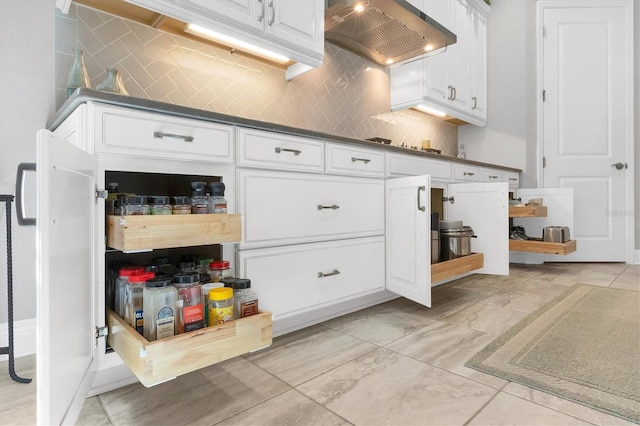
(181, 205)
(220, 305)
(159, 204)
(219, 270)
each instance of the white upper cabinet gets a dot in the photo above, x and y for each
(453, 81)
(293, 28)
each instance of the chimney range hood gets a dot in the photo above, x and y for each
(385, 31)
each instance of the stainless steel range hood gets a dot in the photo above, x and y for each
(385, 31)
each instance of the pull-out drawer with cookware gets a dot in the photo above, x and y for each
(352, 161)
(124, 131)
(294, 279)
(414, 165)
(291, 208)
(463, 173)
(271, 150)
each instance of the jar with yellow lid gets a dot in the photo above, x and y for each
(220, 305)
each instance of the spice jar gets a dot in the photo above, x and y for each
(219, 270)
(136, 205)
(121, 282)
(159, 308)
(133, 304)
(159, 204)
(199, 202)
(181, 205)
(189, 304)
(245, 301)
(205, 297)
(164, 267)
(220, 305)
(217, 202)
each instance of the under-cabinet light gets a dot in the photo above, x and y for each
(235, 43)
(429, 110)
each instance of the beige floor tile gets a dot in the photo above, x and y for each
(486, 318)
(300, 356)
(629, 279)
(290, 408)
(517, 300)
(574, 409)
(387, 388)
(506, 409)
(539, 286)
(448, 346)
(92, 413)
(379, 325)
(18, 400)
(205, 396)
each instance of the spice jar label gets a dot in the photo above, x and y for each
(193, 317)
(248, 308)
(165, 327)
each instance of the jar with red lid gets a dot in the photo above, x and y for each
(133, 303)
(219, 270)
(121, 282)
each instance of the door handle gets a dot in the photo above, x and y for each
(328, 274)
(421, 188)
(273, 14)
(261, 16)
(279, 150)
(22, 220)
(332, 207)
(620, 166)
(364, 160)
(161, 135)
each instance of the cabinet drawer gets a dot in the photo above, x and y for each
(405, 165)
(162, 360)
(513, 179)
(346, 160)
(270, 150)
(142, 134)
(466, 173)
(295, 279)
(128, 233)
(488, 175)
(289, 208)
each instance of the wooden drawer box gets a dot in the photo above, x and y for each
(270, 150)
(124, 131)
(162, 360)
(352, 161)
(454, 267)
(130, 233)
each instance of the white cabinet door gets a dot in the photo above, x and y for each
(484, 207)
(66, 352)
(478, 66)
(408, 215)
(299, 23)
(458, 57)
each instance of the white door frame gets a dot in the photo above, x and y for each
(630, 175)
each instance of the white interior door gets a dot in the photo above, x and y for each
(66, 354)
(408, 219)
(587, 119)
(484, 207)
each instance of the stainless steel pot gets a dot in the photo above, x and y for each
(455, 243)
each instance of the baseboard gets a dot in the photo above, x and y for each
(24, 338)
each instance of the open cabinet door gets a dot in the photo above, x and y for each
(66, 353)
(408, 219)
(484, 207)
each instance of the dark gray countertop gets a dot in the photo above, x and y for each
(81, 96)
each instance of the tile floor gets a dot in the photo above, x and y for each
(397, 363)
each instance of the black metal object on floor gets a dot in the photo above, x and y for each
(8, 199)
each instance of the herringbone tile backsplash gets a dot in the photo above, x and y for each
(347, 96)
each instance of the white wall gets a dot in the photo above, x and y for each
(27, 36)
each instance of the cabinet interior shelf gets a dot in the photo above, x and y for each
(527, 211)
(539, 246)
(165, 359)
(451, 268)
(144, 232)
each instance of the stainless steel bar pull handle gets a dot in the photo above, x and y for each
(22, 220)
(451, 199)
(513, 179)
(261, 7)
(620, 166)
(328, 274)
(493, 177)
(364, 160)
(160, 135)
(475, 102)
(273, 13)
(450, 93)
(423, 189)
(332, 207)
(468, 174)
(295, 151)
